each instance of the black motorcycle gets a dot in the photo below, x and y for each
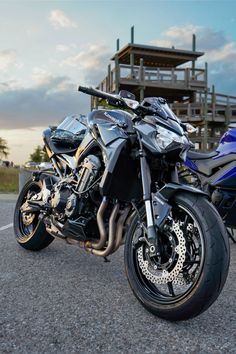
(115, 182)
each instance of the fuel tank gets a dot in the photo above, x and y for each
(227, 143)
(225, 176)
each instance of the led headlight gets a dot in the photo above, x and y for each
(165, 137)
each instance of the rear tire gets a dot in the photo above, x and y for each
(31, 236)
(211, 258)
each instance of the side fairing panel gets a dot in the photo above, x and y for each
(110, 132)
(112, 153)
(121, 179)
(226, 177)
(189, 163)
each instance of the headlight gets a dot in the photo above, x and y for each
(165, 138)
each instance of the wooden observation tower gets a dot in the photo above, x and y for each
(173, 74)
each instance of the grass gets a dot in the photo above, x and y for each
(9, 180)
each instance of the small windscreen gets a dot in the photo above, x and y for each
(161, 107)
(74, 124)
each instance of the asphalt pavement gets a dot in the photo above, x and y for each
(63, 300)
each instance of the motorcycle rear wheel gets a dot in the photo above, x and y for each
(30, 231)
(205, 260)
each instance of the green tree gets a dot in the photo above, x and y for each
(39, 155)
(4, 150)
(36, 156)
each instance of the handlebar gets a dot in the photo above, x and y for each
(115, 100)
(97, 93)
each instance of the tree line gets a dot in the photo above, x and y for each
(38, 155)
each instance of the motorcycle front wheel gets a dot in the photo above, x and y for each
(191, 271)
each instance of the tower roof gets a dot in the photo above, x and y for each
(156, 56)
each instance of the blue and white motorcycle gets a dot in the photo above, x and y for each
(215, 173)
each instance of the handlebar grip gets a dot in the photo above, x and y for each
(83, 89)
(87, 90)
(93, 92)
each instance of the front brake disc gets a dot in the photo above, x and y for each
(164, 276)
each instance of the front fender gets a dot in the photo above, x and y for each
(170, 189)
(161, 201)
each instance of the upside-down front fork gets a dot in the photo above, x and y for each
(157, 207)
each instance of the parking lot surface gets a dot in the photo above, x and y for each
(63, 300)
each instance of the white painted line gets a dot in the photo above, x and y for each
(6, 227)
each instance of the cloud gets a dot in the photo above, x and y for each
(41, 105)
(226, 53)
(91, 57)
(7, 59)
(50, 97)
(181, 37)
(181, 34)
(58, 19)
(92, 61)
(65, 48)
(220, 52)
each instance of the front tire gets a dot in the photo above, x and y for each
(201, 240)
(30, 231)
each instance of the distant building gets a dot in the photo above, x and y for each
(173, 74)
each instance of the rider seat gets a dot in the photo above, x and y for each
(194, 155)
(209, 163)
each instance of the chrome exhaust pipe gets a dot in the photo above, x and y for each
(102, 230)
(112, 235)
(120, 228)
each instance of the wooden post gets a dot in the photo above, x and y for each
(205, 113)
(132, 54)
(228, 113)
(141, 76)
(117, 45)
(132, 35)
(187, 77)
(117, 74)
(109, 78)
(206, 74)
(194, 49)
(132, 64)
(141, 80)
(189, 113)
(205, 136)
(213, 102)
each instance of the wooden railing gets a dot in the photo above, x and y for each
(164, 75)
(174, 77)
(216, 107)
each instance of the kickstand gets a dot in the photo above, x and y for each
(106, 260)
(231, 235)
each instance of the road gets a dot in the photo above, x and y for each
(63, 300)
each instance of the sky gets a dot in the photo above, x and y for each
(48, 48)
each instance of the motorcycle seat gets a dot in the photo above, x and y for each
(195, 155)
